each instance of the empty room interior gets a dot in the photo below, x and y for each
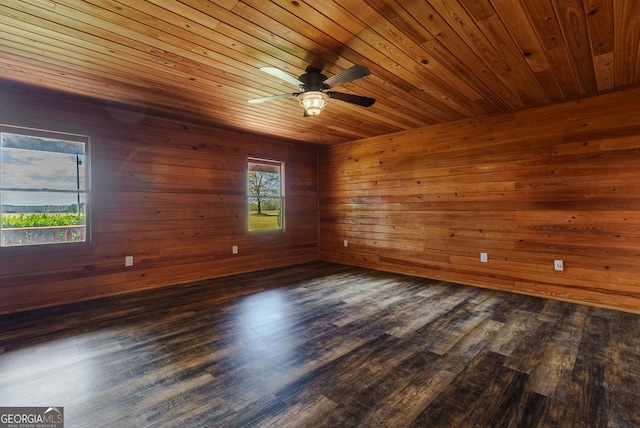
(297, 213)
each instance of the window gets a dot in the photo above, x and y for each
(44, 187)
(265, 184)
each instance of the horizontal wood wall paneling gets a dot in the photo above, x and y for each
(555, 182)
(169, 192)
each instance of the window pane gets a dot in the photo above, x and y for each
(43, 190)
(19, 202)
(265, 214)
(264, 183)
(41, 163)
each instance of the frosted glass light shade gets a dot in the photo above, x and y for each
(313, 102)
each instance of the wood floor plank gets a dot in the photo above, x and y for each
(324, 345)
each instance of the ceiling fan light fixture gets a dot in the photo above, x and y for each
(313, 102)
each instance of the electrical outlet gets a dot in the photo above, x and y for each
(128, 260)
(234, 249)
(558, 265)
(345, 243)
(484, 258)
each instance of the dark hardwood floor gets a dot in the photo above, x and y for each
(324, 345)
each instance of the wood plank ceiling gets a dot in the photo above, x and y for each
(432, 61)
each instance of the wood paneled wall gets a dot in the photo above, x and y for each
(555, 182)
(170, 193)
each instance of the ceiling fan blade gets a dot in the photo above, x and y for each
(348, 75)
(353, 99)
(276, 72)
(272, 97)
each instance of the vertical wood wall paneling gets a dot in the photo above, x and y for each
(169, 193)
(555, 182)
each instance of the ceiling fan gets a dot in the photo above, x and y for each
(314, 88)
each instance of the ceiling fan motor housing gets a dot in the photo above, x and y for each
(313, 80)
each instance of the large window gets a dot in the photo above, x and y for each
(44, 187)
(265, 187)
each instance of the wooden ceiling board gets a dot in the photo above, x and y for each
(431, 61)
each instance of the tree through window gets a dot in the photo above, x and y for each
(266, 195)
